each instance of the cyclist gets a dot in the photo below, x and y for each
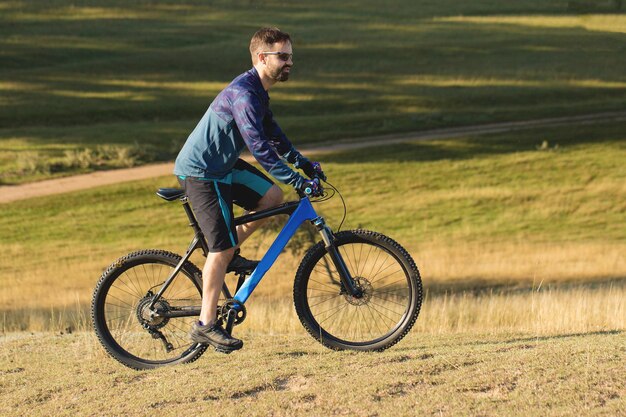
(214, 177)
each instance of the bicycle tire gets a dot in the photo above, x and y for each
(390, 281)
(119, 315)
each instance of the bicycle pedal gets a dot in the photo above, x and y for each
(241, 271)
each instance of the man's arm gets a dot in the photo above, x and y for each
(248, 114)
(285, 149)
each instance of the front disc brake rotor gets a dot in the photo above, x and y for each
(366, 292)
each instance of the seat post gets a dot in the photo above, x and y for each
(192, 219)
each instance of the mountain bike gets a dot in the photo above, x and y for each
(355, 289)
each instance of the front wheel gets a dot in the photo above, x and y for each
(391, 290)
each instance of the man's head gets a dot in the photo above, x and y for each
(271, 52)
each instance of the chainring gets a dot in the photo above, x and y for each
(239, 308)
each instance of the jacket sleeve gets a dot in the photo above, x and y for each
(249, 115)
(280, 142)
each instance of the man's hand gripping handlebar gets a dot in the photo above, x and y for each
(314, 170)
(312, 187)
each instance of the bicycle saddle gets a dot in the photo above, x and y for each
(170, 194)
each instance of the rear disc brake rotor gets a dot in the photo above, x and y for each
(148, 318)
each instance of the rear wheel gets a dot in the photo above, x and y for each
(388, 279)
(127, 328)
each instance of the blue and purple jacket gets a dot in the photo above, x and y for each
(238, 117)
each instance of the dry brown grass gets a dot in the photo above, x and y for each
(449, 375)
(54, 294)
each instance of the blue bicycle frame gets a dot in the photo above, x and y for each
(299, 212)
(303, 212)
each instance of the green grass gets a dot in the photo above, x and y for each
(481, 212)
(512, 374)
(491, 187)
(76, 75)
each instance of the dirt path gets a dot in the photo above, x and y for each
(10, 193)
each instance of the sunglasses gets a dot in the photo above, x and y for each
(283, 56)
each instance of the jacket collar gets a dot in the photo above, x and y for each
(258, 85)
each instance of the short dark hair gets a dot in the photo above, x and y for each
(266, 37)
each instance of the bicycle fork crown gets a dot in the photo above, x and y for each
(324, 230)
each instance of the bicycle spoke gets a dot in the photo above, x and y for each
(372, 304)
(364, 320)
(186, 290)
(136, 282)
(340, 308)
(358, 262)
(347, 258)
(376, 322)
(393, 302)
(378, 253)
(124, 291)
(391, 283)
(132, 289)
(130, 306)
(325, 271)
(324, 285)
(318, 290)
(326, 300)
(393, 291)
(385, 276)
(392, 321)
(382, 264)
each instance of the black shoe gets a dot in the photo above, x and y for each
(215, 336)
(241, 265)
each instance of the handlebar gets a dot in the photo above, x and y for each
(307, 191)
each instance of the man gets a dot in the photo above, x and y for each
(209, 168)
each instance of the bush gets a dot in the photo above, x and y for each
(31, 163)
(108, 156)
(81, 159)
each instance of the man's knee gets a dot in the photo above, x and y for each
(220, 258)
(273, 197)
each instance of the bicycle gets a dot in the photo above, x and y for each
(356, 289)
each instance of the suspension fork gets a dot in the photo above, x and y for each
(329, 242)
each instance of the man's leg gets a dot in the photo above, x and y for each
(273, 197)
(211, 202)
(213, 275)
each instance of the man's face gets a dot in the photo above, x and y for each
(279, 61)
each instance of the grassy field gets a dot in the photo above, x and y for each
(519, 237)
(465, 374)
(100, 84)
(496, 217)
